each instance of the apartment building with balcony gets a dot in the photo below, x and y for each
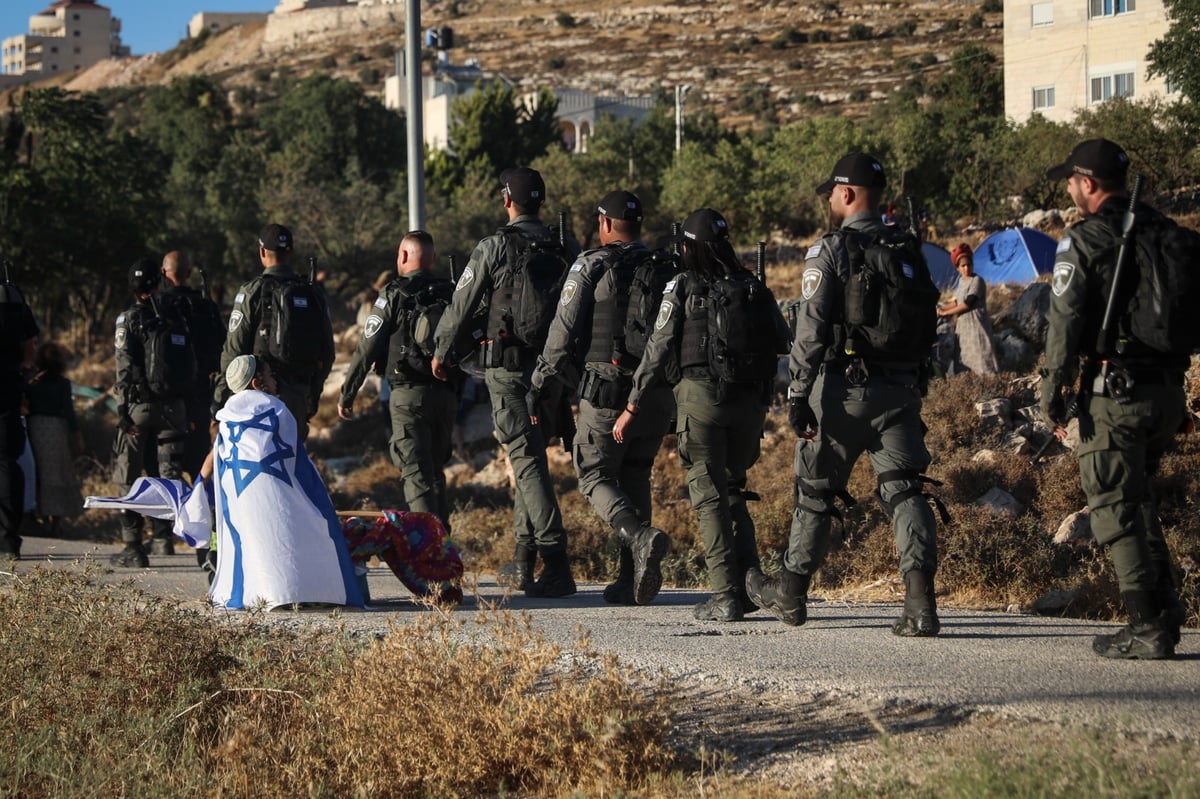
(68, 36)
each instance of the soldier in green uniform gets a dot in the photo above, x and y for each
(590, 319)
(537, 519)
(151, 430)
(250, 328)
(719, 424)
(1127, 421)
(422, 408)
(841, 407)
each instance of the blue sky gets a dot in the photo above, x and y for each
(147, 26)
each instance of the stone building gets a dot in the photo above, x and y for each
(69, 36)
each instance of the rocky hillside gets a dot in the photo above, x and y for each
(747, 60)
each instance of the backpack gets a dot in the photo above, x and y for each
(646, 288)
(891, 300)
(523, 303)
(204, 323)
(294, 324)
(169, 364)
(1161, 314)
(422, 301)
(622, 322)
(745, 333)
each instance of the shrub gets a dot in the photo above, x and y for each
(565, 20)
(906, 28)
(556, 62)
(820, 36)
(327, 62)
(975, 21)
(992, 7)
(368, 76)
(858, 32)
(711, 72)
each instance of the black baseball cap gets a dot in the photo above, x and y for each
(275, 238)
(524, 185)
(621, 205)
(144, 276)
(855, 169)
(1095, 158)
(705, 225)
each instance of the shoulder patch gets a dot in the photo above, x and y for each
(235, 320)
(1063, 245)
(122, 333)
(120, 319)
(577, 266)
(240, 298)
(374, 323)
(664, 314)
(1063, 272)
(670, 285)
(464, 279)
(568, 291)
(813, 251)
(810, 281)
(381, 302)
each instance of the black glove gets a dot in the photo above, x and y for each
(1053, 405)
(533, 398)
(801, 417)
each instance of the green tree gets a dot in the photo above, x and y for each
(1174, 55)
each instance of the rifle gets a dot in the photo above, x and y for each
(312, 270)
(1122, 258)
(914, 225)
(562, 229)
(453, 268)
(204, 284)
(11, 294)
(760, 254)
(676, 246)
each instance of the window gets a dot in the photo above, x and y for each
(1043, 14)
(1172, 86)
(76, 33)
(1105, 87)
(1108, 8)
(54, 49)
(1043, 97)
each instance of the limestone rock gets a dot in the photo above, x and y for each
(1000, 502)
(1076, 529)
(1054, 603)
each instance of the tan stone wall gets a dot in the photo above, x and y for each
(1071, 50)
(320, 25)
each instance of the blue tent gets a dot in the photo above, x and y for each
(1015, 255)
(940, 269)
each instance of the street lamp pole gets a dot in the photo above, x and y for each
(413, 113)
(680, 93)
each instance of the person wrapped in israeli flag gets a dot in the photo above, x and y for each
(279, 541)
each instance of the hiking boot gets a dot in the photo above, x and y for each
(620, 592)
(162, 546)
(719, 607)
(518, 575)
(1174, 614)
(555, 580)
(131, 557)
(1144, 640)
(648, 545)
(784, 597)
(206, 559)
(919, 619)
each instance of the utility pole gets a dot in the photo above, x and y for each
(413, 115)
(680, 93)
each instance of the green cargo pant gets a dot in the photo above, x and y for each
(536, 518)
(156, 450)
(297, 396)
(615, 477)
(1121, 446)
(718, 443)
(883, 419)
(421, 445)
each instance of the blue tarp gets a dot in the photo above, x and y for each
(940, 269)
(1015, 255)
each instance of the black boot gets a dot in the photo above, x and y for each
(131, 557)
(919, 618)
(785, 597)
(1172, 609)
(555, 580)
(518, 575)
(621, 591)
(722, 606)
(1146, 637)
(648, 545)
(162, 546)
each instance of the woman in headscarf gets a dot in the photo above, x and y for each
(976, 350)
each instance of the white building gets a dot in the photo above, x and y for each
(446, 83)
(68, 36)
(1064, 55)
(217, 21)
(579, 111)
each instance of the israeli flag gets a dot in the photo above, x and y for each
(160, 498)
(279, 540)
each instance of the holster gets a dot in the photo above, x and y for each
(604, 393)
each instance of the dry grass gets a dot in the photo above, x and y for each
(117, 693)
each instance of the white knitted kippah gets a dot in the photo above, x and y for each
(240, 372)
